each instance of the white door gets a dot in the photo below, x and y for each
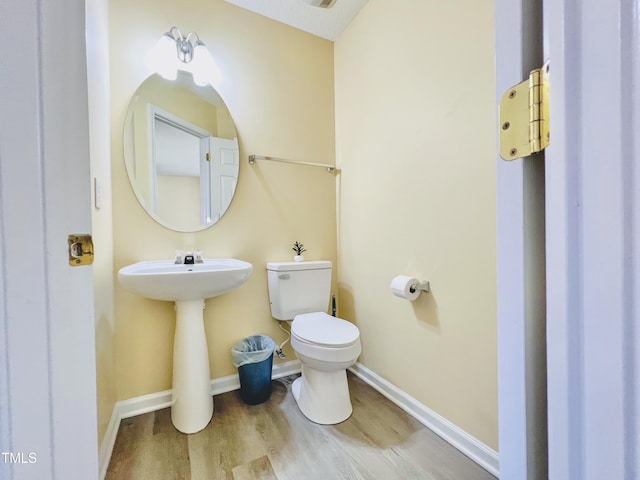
(592, 247)
(225, 164)
(47, 359)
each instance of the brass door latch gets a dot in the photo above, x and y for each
(80, 249)
(524, 116)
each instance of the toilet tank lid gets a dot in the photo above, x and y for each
(292, 266)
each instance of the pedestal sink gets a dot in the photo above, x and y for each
(188, 286)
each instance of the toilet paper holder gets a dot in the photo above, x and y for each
(421, 286)
(407, 287)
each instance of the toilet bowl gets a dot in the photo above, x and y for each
(326, 346)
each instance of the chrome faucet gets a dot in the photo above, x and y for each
(189, 258)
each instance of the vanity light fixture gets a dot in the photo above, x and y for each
(175, 52)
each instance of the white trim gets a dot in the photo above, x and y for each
(159, 400)
(473, 448)
(592, 244)
(520, 263)
(108, 441)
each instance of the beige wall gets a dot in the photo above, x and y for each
(415, 141)
(278, 85)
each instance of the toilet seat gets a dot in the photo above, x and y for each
(321, 329)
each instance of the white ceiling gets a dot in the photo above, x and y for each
(327, 23)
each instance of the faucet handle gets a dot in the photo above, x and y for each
(179, 256)
(197, 256)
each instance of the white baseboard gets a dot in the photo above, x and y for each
(157, 401)
(473, 448)
(108, 441)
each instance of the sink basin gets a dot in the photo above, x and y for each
(188, 286)
(165, 280)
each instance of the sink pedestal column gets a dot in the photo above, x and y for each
(191, 402)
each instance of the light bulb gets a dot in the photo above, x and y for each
(162, 58)
(204, 69)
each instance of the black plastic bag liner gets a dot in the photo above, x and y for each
(253, 349)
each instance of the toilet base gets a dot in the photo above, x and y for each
(323, 397)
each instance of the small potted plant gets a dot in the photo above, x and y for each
(298, 248)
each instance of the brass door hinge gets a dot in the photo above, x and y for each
(524, 116)
(80, 250)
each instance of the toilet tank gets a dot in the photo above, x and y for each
(298, 287)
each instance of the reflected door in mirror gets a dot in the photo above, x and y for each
(225, 164)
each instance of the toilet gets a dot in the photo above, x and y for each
(325, 345)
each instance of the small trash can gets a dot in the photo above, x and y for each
(254, 358)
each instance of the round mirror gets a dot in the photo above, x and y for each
(181, 152)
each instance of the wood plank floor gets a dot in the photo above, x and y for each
(274, 441)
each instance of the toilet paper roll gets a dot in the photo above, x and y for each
(401, 287)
